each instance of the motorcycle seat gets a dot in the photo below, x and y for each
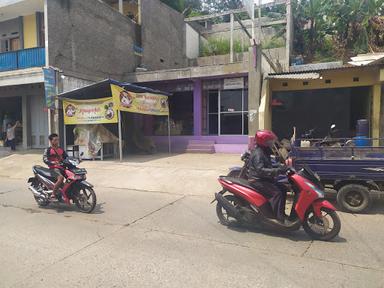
(43, 171)
(239, 181)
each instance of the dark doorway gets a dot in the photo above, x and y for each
(10, 112)
(181, 115)
(319, 109)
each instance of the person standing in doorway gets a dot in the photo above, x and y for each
(10, 140)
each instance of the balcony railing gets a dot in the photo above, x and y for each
(27, 58)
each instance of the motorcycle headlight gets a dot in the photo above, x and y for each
(74, 162)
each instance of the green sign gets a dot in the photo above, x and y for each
(50, 87)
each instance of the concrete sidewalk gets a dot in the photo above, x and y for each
(183, 174)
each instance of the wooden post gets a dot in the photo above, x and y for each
(231, 39)
(289, 37)
(65, 137)
(376, 107)
(169, 134)
(120, 139)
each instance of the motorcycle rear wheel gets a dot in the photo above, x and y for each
(319, 227)
(41, 202)
(86, 200)
(222, 214)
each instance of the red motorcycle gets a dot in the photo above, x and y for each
(243, 205)
(74, 189)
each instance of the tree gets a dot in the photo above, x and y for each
(214, 6)
(349, 21)
(337, 28)
(178, 5)
(185, 7)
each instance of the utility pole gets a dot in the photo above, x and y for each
(254, 79)
(289, 41)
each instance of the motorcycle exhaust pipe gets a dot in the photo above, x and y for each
(231, 210)
(35, 192)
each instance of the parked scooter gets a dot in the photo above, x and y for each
(240, 204)
(331, 140)
(75, 188)
(241, 172)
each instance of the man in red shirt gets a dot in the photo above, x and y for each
(53, 156)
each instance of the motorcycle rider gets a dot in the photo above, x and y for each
(262, 175)
(53, 156)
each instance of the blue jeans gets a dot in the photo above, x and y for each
(12, 144)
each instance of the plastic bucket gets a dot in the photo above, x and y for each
(362, 141)
(362, 127)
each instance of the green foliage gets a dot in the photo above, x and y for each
(334, 29)
(187, 7)
(274, 42)
(214, 6)
(221, 46)
(178, 5)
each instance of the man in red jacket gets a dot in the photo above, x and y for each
(53, 156)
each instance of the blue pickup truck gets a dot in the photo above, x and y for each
(355, 175)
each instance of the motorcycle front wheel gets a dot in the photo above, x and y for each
(325, 227)
(85, 200)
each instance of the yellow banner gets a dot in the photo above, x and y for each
(143, 103)
(95, 111)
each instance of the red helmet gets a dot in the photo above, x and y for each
(265, 138)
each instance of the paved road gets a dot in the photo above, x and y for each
(169, 236)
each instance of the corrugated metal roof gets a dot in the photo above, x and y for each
(296, 76)
(367, 59)
(316, 66)
(363, 60)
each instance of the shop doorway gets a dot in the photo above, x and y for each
(10, 112)
(228, 112)
(319, 109)
(181, 116)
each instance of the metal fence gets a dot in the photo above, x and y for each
(26, 58)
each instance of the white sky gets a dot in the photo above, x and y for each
(263, 1)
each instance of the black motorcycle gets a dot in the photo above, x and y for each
(75, 188)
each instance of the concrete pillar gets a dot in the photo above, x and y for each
(197, 107)
(265, 111)
(26, 121)
(376, 107)
(139, 12)
(121, 8)
(254, 90)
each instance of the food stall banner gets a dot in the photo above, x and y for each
(143, 103)
(95, 111)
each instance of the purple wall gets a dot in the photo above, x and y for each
(223, 144)
(197, 106)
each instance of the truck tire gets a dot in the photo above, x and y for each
(354, 198)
